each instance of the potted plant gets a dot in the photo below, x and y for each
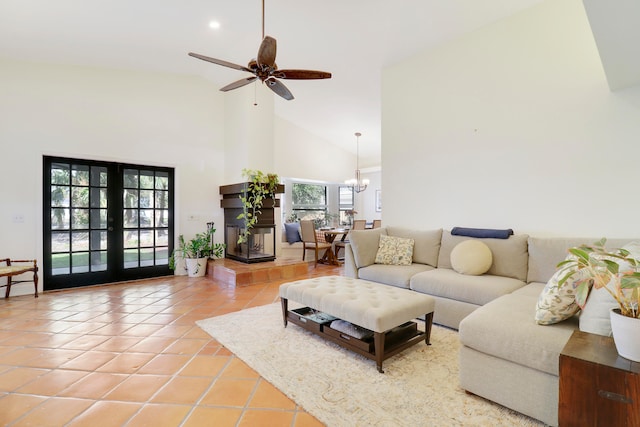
(261, 186)
(198, 250)
(177, 261)
(617, 272)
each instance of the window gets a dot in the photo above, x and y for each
(345, 204)
(309, 201)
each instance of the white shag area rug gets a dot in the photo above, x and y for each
(341, 388)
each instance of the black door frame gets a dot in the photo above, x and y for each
(115, 270)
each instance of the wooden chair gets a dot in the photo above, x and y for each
(358, 224)
(310, 240)
(377, 223)
(11, 270)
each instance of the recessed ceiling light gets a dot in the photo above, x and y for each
(214, 24)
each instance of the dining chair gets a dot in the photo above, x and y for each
(310, 240)
(377, 223)
(359, 224)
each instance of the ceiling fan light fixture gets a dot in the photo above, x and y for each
(264, 67)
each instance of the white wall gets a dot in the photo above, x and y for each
(125, 116)
(366, 200)
(512, 126)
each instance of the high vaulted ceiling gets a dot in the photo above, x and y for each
(353, 39)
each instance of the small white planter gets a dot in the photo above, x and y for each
(626, 331)
(196, 267)
(180, 266)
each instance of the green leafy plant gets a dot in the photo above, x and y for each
(614, 270)
(181, 250)
(261, 186)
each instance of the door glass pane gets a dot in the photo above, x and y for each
(98, 218)
(146, 198)
(60, 242)
(59, 196)
(130, 178)
(60, 174)
(80, 175)
(59, 219)
(146, 238)
(98, 240)
(130, 238)
(146, 257)
(162, 239)
(99, 261)
(146, 217)
(162, 180)
(80, 197)
(162, 256)
(130, 258)
(80, 241)
(162, 218)
(80, 218)
(80, 262)
(130, 198)
(130, 219)
(146, 179)
(162, 199)
(99, 176)
(61, 264)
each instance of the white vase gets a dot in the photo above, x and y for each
(626, 331)
(196, 267)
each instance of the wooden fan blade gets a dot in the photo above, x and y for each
(267, 52)
(221, 62)
(239, 83)
(279, 88)
(302, 74)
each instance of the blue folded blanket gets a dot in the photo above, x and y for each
(484, 233)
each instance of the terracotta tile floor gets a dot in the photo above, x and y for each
(130, 354)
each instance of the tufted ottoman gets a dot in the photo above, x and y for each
(385, 310)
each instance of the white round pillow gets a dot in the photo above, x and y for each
(471, 257)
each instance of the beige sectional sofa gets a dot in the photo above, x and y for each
(505, 356)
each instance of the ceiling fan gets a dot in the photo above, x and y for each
(265, 68)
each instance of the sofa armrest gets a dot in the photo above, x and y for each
(350, 269)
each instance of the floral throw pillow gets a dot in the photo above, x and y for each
(558, 304)
(394, 250)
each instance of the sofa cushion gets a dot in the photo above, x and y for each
(394, 251)
(510, 256)
(364, 244)
(394, 275)
(506, 328)
(595, 317)
(426, 243)
(479, 290)
(546, 252)
(292, 230)
(471, 257)
(556, 304)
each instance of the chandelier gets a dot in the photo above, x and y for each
(357, 183)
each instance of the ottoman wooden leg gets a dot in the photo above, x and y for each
(428, 322)
(284, 302)
(378, 343)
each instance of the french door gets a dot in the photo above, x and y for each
(105, 222)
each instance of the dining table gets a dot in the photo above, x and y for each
(330, 236)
